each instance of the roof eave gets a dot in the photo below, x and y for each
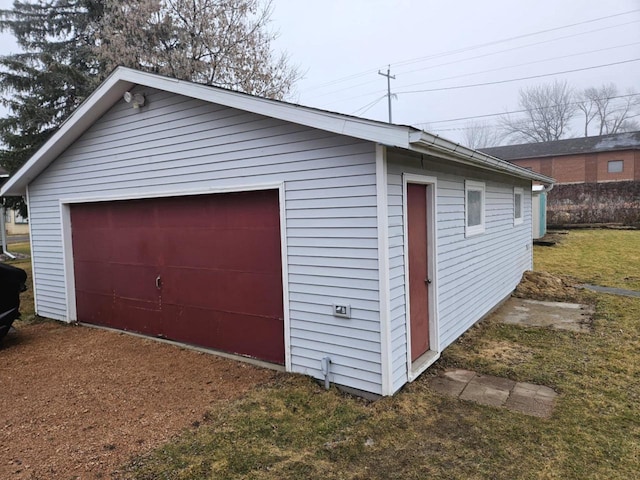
(442, 147)
(123, 79)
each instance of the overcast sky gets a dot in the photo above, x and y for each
(435, 45)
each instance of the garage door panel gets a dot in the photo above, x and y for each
(95, 308)
(137, 316)
(89, 216)
(226, 331)
(136, 246)
(219, 262)
(136, 282)
(97, 277)
(235, 249)
(241, 292)
(128, 214)
(92, 244)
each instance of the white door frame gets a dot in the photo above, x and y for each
(414, 369)
(67, 244)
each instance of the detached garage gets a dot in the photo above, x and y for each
(332, 245)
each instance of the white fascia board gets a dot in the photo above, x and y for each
(123, 79)
(388, 134)
(458, 153)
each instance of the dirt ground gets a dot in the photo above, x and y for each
(545, 286)
(78, 402)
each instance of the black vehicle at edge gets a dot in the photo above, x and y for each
(12, 283)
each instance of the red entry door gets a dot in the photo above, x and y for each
(203, 269)
(418, 268)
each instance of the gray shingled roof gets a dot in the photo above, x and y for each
(602, 143)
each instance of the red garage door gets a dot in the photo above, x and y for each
(204, 269)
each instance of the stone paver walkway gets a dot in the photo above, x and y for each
(611, 290)
(527, 398)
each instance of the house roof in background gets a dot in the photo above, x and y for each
(123, 79)
(571, 146)
(3, 173)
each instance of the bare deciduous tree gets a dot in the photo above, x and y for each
(216, 42)
(610, 113)
(548, 110)
(480, 135)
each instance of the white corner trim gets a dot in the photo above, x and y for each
(67, 262)
(413, 371)
(33, 262)
(383, 270)
(284, 253)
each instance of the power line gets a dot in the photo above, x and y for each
(476, 47)
(488, 83)
(457, 87)
(469, 48)
(475, 57)
(455, 62)
(521, 64)
(364, 109)
(486, 115)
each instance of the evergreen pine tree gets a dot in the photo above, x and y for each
(52, 74)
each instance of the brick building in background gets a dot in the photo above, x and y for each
(598, 178)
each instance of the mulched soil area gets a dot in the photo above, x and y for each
(78, 402)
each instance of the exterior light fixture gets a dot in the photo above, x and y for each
(137, 100)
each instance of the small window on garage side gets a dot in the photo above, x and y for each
(615, 166)
(518, 195)
(474, 207)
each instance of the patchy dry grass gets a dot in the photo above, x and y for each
(610, 258)
(27, 308)
(295, 429)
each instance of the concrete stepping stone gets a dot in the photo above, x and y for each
(526, 398)
(535, 313)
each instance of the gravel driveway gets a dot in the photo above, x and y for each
(78, 402)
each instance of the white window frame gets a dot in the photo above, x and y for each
(616, 162)
(518, 220)
(474, 186)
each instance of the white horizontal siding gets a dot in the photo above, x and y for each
(473, 273)
(176, 143)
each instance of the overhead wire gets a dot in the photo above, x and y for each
(465, 75)
(472, 117)
(470, 48)
(431, 124)
(530, 77)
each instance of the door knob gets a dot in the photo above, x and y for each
(427, 281)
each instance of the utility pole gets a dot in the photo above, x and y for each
(389, 77)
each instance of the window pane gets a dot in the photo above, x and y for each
(474, 208)
(518, 205)
(615, 166)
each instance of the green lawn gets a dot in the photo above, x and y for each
(610, 258)
(295, 429)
